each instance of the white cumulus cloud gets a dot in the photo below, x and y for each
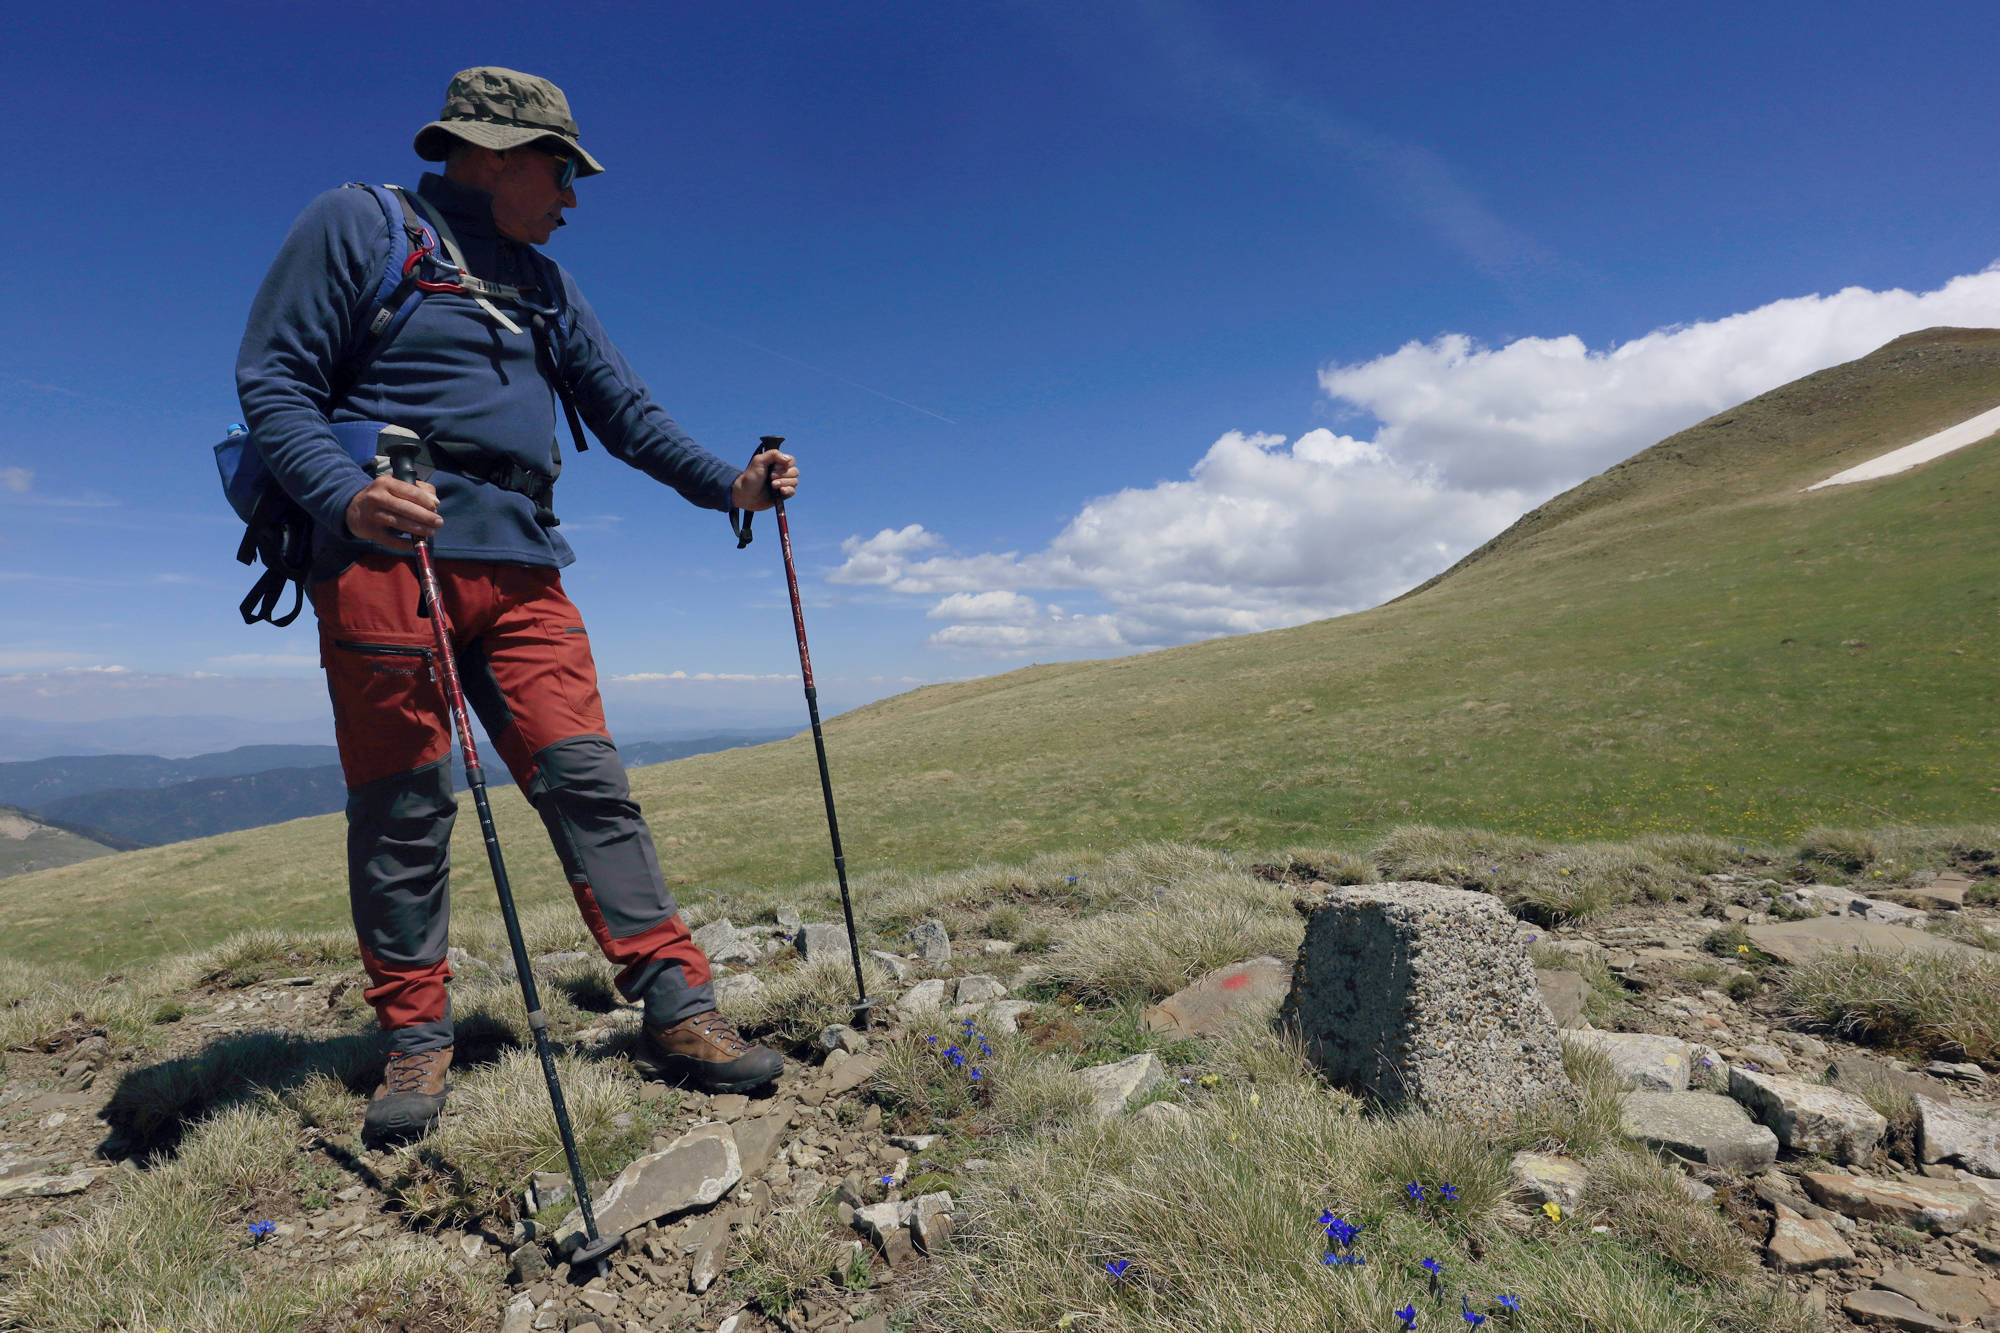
(19, 480)
(1265, 532)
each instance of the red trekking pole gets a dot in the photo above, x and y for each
(403, 448)
(863, 1004)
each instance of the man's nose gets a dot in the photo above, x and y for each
(568, 197)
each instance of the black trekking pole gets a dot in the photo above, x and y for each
(403, 448)
(863, 1004)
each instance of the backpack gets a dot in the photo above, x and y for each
(279, 533)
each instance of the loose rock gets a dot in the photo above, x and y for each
(1931, 1205)
(1212, 1004)
(1644, 1061)
(1803, 1245)
(1700, 1126)
(1810, 1117)
(931, 942)
(1115, 1085)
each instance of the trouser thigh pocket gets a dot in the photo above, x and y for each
(387, 711)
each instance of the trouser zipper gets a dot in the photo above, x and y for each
(391, 650)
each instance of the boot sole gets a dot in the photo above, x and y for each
(400, 1125)
(686, 1071)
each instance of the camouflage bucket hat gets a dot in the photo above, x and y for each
(501, 109)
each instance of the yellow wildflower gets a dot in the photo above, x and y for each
(1554, 1210)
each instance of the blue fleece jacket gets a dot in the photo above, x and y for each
(451, 373)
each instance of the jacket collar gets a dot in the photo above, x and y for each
(469, 210)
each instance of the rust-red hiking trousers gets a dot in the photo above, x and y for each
(525, 665)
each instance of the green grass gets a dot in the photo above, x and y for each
(1686, 642)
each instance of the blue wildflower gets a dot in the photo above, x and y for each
(975, 1073)
(1450, 1193)
(1117, 1267)
(1435, 1268)
(1510, 1303)
(259, 1230)
(1408, 1314)
(1326, 1216)
(888, 1180)
(1415, 1190)
(1474, 1319)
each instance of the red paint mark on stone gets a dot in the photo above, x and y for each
(1237, 982)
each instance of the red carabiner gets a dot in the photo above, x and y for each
(417, 255)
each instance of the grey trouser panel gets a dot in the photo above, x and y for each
(398, 868)
(581, 793)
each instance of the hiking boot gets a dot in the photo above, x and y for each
(410, 1099)
(706, 1052)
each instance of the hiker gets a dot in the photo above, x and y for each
(477, 371)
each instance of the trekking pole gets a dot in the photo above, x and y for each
(403, 447)
(863, 1004)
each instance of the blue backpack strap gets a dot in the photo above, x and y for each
(550, 323)
(396, 294)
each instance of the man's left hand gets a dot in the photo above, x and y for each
(771, 477)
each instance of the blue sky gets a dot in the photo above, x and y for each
(1096, 328)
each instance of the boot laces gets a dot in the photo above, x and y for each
(406, 1072)
(719, 1030)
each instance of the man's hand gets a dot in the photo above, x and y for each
(771, 477)
(392, 512)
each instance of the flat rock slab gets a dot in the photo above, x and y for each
(1890, 1310)
(691, 1172)
(1116, 1085)
(1699, 1126)
(1810, 1117)
(1805, 1244)
(1222, 998)
(1643, 1061)
(1931, 1205)
(1548, 1178)
(1416, 993)
(1947, 890)
(1796, 941)
(1895, 914)
(52, 1186)
(1564, 994)
(1959, 1299)
(979, 988)
(1950, 1134)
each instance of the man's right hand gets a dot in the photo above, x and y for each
(392, 512)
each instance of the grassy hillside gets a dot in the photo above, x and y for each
(28, 844)
(1687, 641)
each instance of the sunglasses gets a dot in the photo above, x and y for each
(565, 170)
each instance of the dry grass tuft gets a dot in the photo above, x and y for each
(787, 1254)
(1554, 882)
(1942, 1006)
(499, 1129)
(1182, 932)
(1581, 1127)
(800, 1001)
(1640, 1199)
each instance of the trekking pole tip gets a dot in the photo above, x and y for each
(592, 1251)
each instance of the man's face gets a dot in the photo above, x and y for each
(527, 206)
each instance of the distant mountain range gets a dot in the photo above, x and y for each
(125, 801)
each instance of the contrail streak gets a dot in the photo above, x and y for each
(830, 374)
